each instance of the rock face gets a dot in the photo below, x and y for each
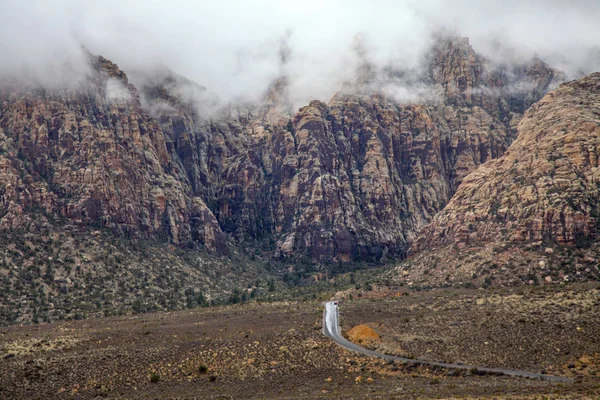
(542, 191)
(354, 179)
(93, 156)
(338, 184)
(359, 177)
(113, 194)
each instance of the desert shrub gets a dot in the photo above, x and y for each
(203, 369)
(154, 377)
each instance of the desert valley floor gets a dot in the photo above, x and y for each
(277, 351)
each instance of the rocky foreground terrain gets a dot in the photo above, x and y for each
(277, 350)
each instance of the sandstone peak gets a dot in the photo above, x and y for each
(543, 190)
(354, 179)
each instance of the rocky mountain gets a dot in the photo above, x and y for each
(163, 163)
(94, 156)
(96, 209)
(531, 214)
(357, 178)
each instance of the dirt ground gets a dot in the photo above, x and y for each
(277, 351)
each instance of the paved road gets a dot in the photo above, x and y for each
(331, 329)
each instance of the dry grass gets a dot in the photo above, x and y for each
(274, 351)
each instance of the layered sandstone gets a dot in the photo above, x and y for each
(355, 179)
(543, 192)
(94, 156)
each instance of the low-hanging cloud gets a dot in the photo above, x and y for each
(116, 92)
(237, 48)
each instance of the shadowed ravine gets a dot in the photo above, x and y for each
(331, 329)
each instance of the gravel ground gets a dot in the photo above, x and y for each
(277, 350)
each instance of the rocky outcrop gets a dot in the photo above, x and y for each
(359, 177)
(354, 179)
(339, 182)
(110, 190)
(542, 192)
(502, 89)
(483, 102)
(543, 188)
(94, 156)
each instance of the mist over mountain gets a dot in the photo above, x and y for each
(234, 48)
(196, 148)
(318, 199)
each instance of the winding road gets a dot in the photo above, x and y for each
(331, 329)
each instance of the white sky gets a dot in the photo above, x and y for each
(230, 46)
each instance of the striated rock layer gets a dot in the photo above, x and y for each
(541, 194)
(354, 179)
(94, 156)
(359, 177)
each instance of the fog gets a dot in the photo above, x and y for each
(236, 48)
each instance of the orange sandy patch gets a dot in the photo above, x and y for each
(363, 334)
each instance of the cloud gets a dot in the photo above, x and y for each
(562, 33)
(116, 92)
(237, 48)
(37, 45)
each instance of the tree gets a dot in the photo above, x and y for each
(49, 275)
(201, 300)
(235, 297)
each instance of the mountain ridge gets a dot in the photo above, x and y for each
(538, 201)
(162, 163)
